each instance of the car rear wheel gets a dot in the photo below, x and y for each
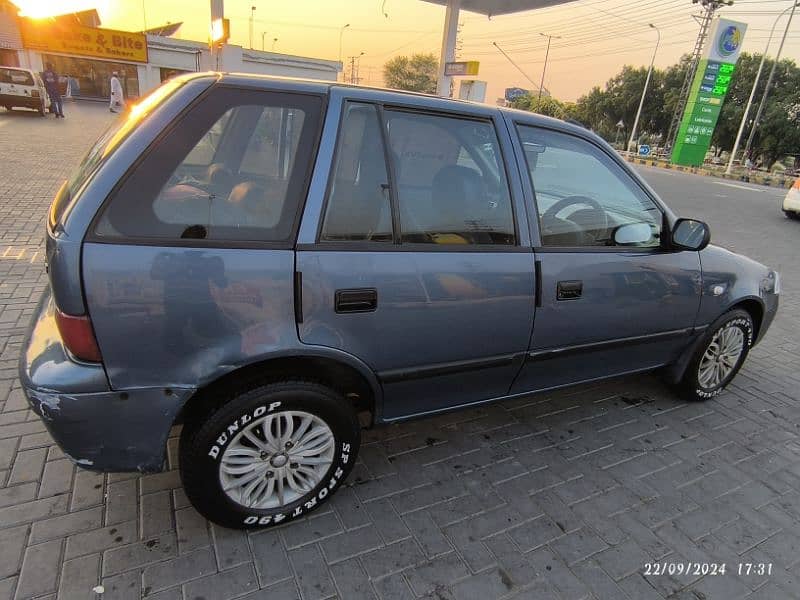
(42, 110)
(268, 454)
(719, 357)
(792, 215)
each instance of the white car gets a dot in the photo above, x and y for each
(23, 88)
(791, 203)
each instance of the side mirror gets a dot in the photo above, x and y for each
(633, 233)
(689, 234)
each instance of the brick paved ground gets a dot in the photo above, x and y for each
(562, 495)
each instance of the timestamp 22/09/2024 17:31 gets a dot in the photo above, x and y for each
(697, 568)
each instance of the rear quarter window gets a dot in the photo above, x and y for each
(234, 168)
(105, 146)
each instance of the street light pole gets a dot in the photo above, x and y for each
(546, 56)
(341, 33)
(747, 108)
(252, 20)
(274, 40)
(644, 91)
(763, 103)
(263, 33)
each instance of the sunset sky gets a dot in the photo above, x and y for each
(597, 36)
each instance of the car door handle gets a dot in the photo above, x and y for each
(569, 290)
(356, 300)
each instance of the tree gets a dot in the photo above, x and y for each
(547, 106)
(415, 73)
(602, 108)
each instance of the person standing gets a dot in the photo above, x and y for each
(51, 85)
(117, 101)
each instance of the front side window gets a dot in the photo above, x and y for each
(450, 186)
(583, 197)
(234, 168)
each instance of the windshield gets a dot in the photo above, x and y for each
(16, 76)
(107, 144)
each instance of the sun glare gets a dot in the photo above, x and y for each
(38, 9)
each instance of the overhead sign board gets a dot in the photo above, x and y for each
(455, 69)
(109, 44)
(709, 89)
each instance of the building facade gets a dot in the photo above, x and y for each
(88, 55)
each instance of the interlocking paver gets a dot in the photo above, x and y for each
(580, 487)
(40, 568)
(176, 571)
(78, 578)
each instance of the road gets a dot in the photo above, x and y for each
(566, 495)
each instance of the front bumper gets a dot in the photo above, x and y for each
(98, 428)
(792, 200)
(771, 302)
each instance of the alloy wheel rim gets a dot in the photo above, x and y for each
(276, 460)
(721, 357)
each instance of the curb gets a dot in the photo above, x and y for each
(779, 182)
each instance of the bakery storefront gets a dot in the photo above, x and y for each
(88, 56)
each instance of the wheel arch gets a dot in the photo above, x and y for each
(754, 306)
(338, 370)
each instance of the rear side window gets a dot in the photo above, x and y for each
(234, 168)
(451, 188)
(358, 202)
(448, 181)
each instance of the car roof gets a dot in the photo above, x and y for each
(379, 93)
(16, 69)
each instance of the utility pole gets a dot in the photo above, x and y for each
(644, 91)
(710, 7)
(353, 71)
(743, 124)
(763, 103)
(544, 68)
(263, 33)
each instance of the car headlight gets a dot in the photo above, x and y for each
(771, 284)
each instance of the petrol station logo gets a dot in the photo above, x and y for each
(729, 40)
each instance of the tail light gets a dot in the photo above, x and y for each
(78, 336)
(34, 93)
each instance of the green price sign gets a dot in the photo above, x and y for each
(710, 86)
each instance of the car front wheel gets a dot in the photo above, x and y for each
(719, 357)
(268, 454)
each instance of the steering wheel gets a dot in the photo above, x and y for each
(599, 217)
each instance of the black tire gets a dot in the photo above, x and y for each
(42, 110)
(210, 430)
(790, 214)
(690, 387)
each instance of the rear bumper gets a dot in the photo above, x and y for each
(98, 428)
(25, 101)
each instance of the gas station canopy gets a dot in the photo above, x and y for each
(485, 7)
(494, 8)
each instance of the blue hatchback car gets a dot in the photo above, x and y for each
(264, 260)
